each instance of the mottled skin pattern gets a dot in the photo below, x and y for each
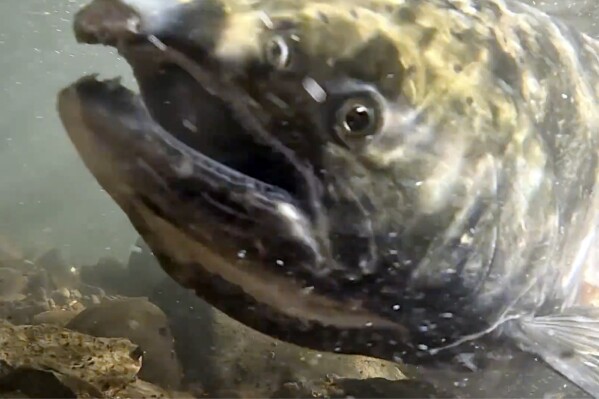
(492, 141)
(468, 206)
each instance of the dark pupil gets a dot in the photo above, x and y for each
(275, 51)
(357, 119)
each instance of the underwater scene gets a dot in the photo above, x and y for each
(299, 199)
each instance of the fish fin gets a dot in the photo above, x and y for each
(568, 342)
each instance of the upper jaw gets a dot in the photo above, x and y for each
(143, 32)
(106, 22)
(187, 22)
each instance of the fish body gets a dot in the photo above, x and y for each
(402, 179)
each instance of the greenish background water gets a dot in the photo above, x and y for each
(47, 197)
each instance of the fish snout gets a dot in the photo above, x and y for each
(106, 22)
(191, 23)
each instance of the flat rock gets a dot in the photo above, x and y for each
(83, 365)
(13, 283)
(56, 317)
(144, 324)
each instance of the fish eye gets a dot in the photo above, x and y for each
(277, 53)
(357, 118)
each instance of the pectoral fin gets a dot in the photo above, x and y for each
(568, 342)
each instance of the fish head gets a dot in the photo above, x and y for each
(282, 160)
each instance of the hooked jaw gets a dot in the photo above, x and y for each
(223, 205)
(141, 153)
(110, 22)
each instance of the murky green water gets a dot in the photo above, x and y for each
(48, 199)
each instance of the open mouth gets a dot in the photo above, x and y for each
(191, 146)
(227, 209)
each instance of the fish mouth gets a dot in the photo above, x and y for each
(228, 210)
(189, 148)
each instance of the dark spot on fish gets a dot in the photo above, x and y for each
(406, 15)
(377, 62)
(323, 17)
(495, 113)
(458, 68)
(469, 100)
(354, 13)
(163, 331)
(427, 37)
(504, 66)
(458, 106)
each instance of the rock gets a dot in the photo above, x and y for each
(143, 389)
(39, 284)
(56, 317)
(85, 366)
(12, 284)
(88, 290)
(145, 325)
(144, 270)
(60, 274)
(382, 388)
(22, 312)
(34, 383)
(108, 274)
(217, 352)
(61, 296)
